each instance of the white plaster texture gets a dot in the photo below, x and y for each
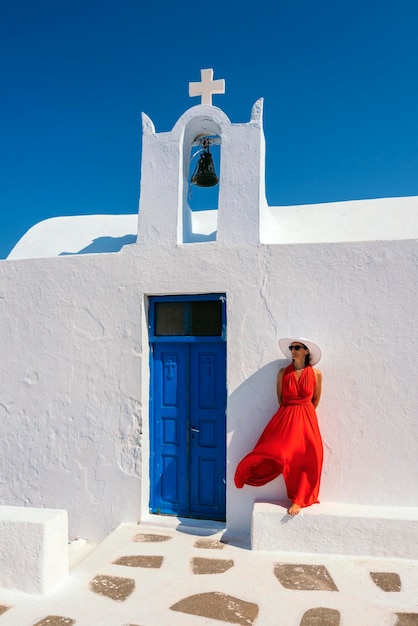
(354, 220)
(75, 367)
(61, 236)
(381, 219)
(331, 528)
(33, 548)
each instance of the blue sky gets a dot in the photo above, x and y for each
(339, 81)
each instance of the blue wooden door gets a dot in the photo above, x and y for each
(188, 429)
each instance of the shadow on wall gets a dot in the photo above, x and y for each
(201, 238)
(252, 404)
(104, 244)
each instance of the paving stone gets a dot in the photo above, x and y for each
(201, 565)
(113, 587)
(150, 537)
(220, 606)
(407, 619)
(209, 544)
(4, 608)
(55, 620)
(140, 561)
(304, 577)
(388, 581)
(321, 617)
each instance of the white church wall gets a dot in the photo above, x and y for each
(352, 300)
(75, 359)
(74, 398)
(70, 399)
(380, 219)
(86, 234)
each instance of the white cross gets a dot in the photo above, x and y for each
(207, 87)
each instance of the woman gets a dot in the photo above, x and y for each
(291, 443)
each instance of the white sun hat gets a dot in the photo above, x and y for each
(314, 349)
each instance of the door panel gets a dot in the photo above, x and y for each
(169, 471)
(207, 420)
(188, 429)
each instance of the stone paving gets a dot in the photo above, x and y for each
(143, 576)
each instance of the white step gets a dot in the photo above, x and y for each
(335, 528)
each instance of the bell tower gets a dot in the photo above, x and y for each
(165, 215)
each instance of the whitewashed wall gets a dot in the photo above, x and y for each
(74, 369)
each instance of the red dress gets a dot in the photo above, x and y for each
(290, 444)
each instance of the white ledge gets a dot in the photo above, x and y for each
(335, 528)
(33, 548)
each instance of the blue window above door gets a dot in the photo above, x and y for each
(188, 317)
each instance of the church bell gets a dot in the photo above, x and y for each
(204, 174)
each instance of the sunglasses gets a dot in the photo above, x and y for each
(297, 348)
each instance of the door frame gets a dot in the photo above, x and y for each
(179, 339)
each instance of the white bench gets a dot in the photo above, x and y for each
(334, 528)
(33, 548)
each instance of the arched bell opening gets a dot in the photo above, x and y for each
(201, 169)
(203, 179)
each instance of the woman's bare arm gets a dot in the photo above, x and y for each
(318, 388)
(279, 384)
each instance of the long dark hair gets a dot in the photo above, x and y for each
(307, 357)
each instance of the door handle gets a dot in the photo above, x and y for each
(195, 430)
